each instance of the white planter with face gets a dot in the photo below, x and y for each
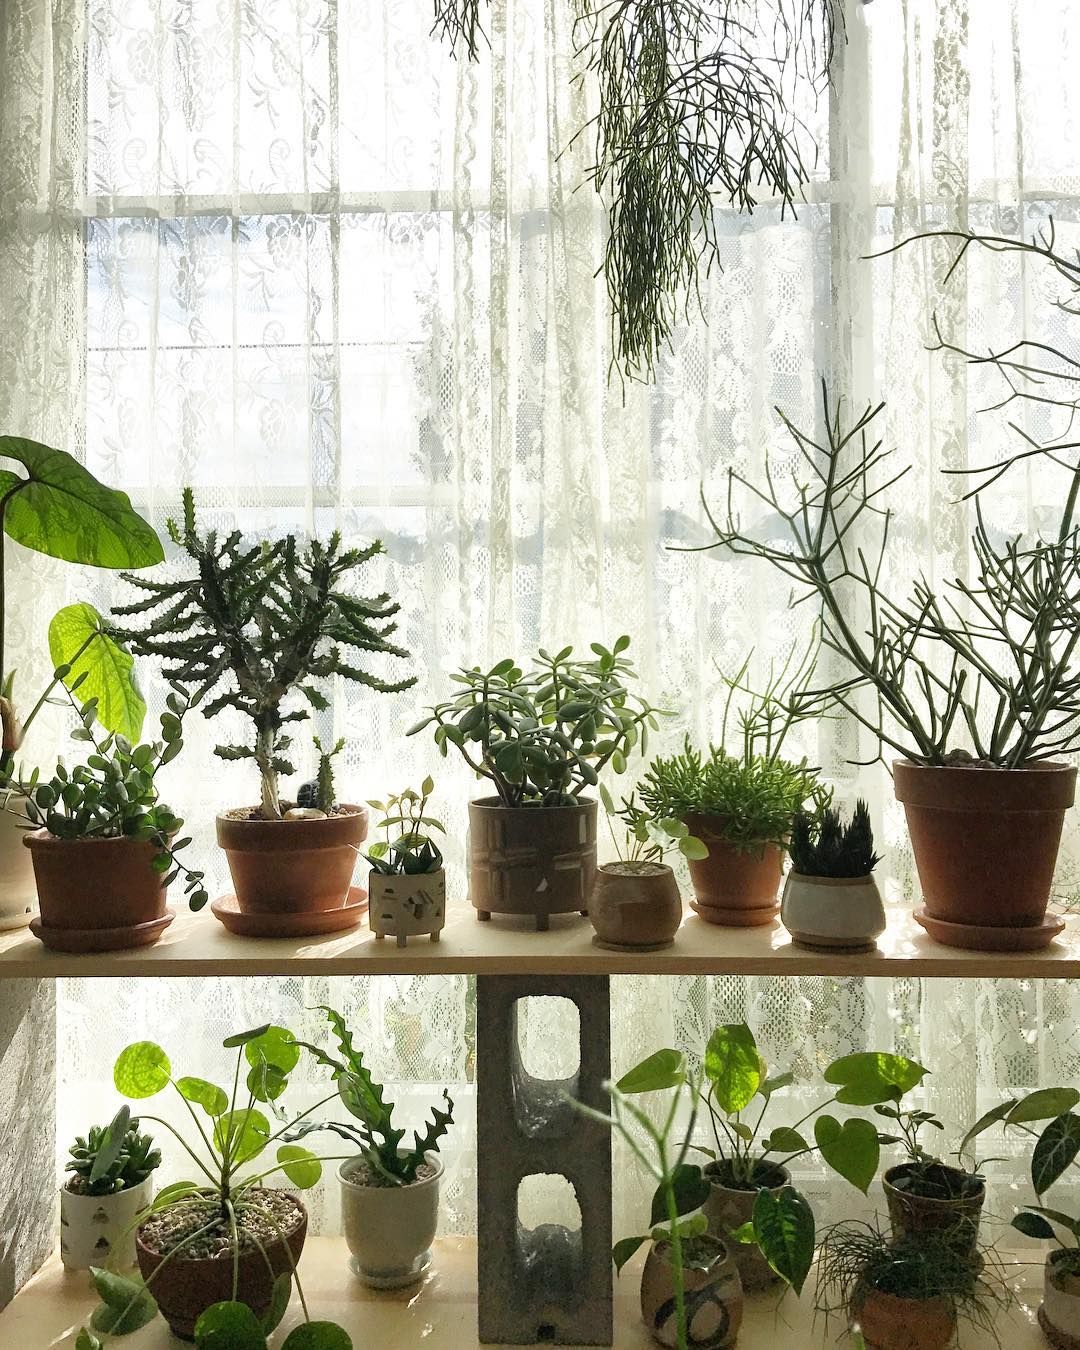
(407, 906)
(389, 1229)
(18, 894)
(98, 1230)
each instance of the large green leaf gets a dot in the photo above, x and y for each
(1057, 1147)
(624, 1249)
(664, 1069)
(300, 1165)
(106, 670)
(1045, 1104)
(733, 1066)
(229, 1326)
(784, 1228)
(126, 1305)
(61, 509)
(691, 1191)
(242, 1134)
(852, 1149)
(871, 1077)
(276, 1046)
(141, 1070)
(317, 1336)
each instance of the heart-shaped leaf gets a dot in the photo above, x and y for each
(784, 1140)
(872, 1076)
(213, 1099)
(317, 1336)
(1055, 1150)
(141, 1070)
(300, 1165)
(852, 1149)
(624, 1250)
(784, 1228)
(229, 1326)
(733, 1066)
(691, 1191)
(126, 1305)
(664, 1069)
(105, 671)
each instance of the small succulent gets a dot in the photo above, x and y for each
(111, 1158)
(827, 847)
(319, 792)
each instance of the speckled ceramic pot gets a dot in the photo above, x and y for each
(727, 1209)
(832, 913)
(635, 906)
(713, 1295)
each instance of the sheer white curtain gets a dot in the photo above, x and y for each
(297, 256)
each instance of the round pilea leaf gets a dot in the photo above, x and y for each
(213, 1100)
(300, 1165)
(276, 1046)
(142, 1070)
(229, 1326)
(318, 1336)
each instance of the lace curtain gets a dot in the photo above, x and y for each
(297, 256)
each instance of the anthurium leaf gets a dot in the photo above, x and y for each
(63, 510)
(1043, 1105)
(851, 1148)
(244, 1037)
(1056, 1148)
(300, 1165)
(691, 1191)
(733, 1066)
(105, 670)
(317, 1336)
(872, 1076)
(1070, 1224)
(213, 1099)
(111, 1144)
(229, 1326)
(243, 1134)
(279, 1302)
(274, 1045)
(141, 1070)
(1032, 1225)
(625, 1249)
(126, 1305)
(664, 1069)
(784, 1228)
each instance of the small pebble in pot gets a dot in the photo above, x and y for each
(305, 813)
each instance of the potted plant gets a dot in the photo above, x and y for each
(262, 628)
(831, 900)
(407, 882)
(109, 1190)
(540, 738)
(389, 1193)
(972, 686)
(218, 1256)
(635, 903)
(106, 849)
(691, 1294)
(750, 1190)
(903, 1295)
(53, 505)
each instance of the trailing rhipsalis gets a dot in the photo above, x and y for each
(267, 621)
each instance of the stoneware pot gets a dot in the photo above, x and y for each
(713, 1294)
(98, 1229)
(407, 906)
(734, 888)
(18, 897)
(911, 1215)
(293, 866)
(891, 1323)
(184, 1288)
(1059, 1315)
(534, 860)
(635, 906)
(727, 1209)
(389, 1229)
(832, 913)
(96, 894)
(985, 844)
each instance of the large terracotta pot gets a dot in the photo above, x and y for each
(184, 1288)
(389, 1229)
(635, 906)
(731, 887)
(96, 894)
(535, 860)
(891, 1323)
(712, 1291)
(832, 913)
(727, 1209)
(292, 866)
(1059, 1315)
(911, 1214)
(985, 844)
(17, 894)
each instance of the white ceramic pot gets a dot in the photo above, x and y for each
(1059, 1315)
(18, 894)
(98, 1230)
(407, 906)
(832, 912)
(390, 1229)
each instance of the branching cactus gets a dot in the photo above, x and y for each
(260, 628)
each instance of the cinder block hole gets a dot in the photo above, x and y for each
(545, 1332)
(548, 1199)
(549, 1036)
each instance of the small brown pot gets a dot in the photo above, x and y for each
(635, 906)
(536, 860)
(891, 1323)
(985, 841)
(728, 1208)
(713, 1294)
(911, 1215)
(734, 888)
(184, 1288)
(96, 894)
(293, 866)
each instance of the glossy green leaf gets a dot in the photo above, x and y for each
(1043, 1105)
(625, 1249)
(229, 1326)
(784, 1140)
(300, 1165)
(243, 1134)
(1055, 1150)
(784, 1228)
(266, 1082)
(317, 1336)
(142, 1070)
(105, 671)
(126, 1305)
(733, 1066)
(664, 1069)
(873, 1076)
(213, 1100)
(691, 1191)
(991, 1117)
(851, 1148)
(276, 1046)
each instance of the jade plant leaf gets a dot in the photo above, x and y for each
(105, 670)
(1055, 1150)
(664, 1069)
(229, 1326)
(871, 1077)
(126, 1305)
(241, 1134)
(213, 1099)
(141, 1070)
(61, 509)
(317, 1336)
(852, 1149)
(300, 1165)
(784, 1228)
(733, 1066)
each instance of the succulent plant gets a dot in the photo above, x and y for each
(99, 1165)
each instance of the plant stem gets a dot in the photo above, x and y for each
(676, 1247)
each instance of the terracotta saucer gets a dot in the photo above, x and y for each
(308, 923)
(736, 918)
(991, 937)
(100, 939)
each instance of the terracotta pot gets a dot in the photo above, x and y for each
(891, 1323)
(635, 906)
(98, 1230)
(185, 1288)
(536, 860)
(985, 840)
(18, 897)
(727, 1209)
(293, 866)
(1059, 1315)
(734, 888)
(407, 906)
(833, 913)
(713, 1294)
(87, 887)
(389, 1229)
(911, 1214)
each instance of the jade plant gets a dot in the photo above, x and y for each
(226, 1208)
(111, 1158)
(542, 736)
(408, 848)
(259, 628)
(827, 846)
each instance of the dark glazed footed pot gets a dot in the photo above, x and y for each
(728, 1208)
(292, 866)
(713, 1295)
(535, 860)
(735, 888)
(635, 906)
(911, 1214)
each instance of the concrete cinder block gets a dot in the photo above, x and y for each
(548, 1285)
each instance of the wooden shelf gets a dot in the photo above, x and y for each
(196, 944)
(441, 1313)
